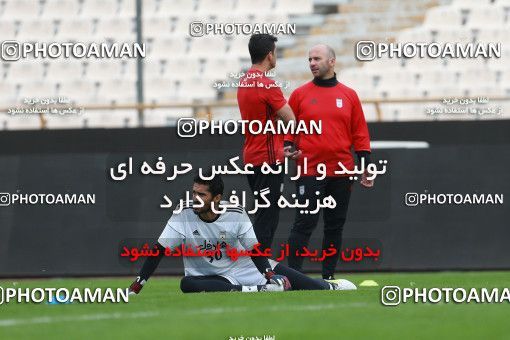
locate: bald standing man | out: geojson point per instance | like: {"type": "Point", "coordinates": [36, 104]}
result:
{"type": "Point", "coordinates": [343, 128]}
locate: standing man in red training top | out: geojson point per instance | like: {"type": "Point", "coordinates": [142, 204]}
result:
{"type": "Point", "coordinates": [343, 127]}
{"type": "Point", "coordinates": [264, 103]}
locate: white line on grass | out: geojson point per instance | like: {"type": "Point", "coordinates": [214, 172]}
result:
{"type": "Point", "coordinates": [85, 317]}
{"type": "Point", "coordinates": [221, 310]}
{"type": "Point", "coordinates": [148, 314]}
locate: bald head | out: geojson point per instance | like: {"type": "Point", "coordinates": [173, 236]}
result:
{"type": "Point", "coordinates": [325, 50]}
{"type": "Point", "coordinates": [322, 61]}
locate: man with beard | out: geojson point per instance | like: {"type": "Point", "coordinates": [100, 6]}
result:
{"type": "Point", "coordinates": [197, 225]}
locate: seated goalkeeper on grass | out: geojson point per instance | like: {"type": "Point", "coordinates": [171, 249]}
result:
{"type": "Point", "coordinates": [201, 227]}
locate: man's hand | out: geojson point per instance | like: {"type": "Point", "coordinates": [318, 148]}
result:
{"type": "Point", "coordinates": [291, 154]}
{"type": "Point", "coordinates": [367, 183]}
{"type": "Point", "coordinates": [136, 286]}
{"type": "Point", "coordinates": [279, 280]}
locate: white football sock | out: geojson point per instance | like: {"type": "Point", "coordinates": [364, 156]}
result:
{"type": "Point", "coordinates": [249, 289]}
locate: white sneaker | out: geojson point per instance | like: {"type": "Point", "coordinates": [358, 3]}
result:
{"type": "Point", "coordinates": [342, 284]}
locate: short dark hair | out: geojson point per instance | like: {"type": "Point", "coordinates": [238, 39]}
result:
{"type": "Point", "coordinates": [260, 45]}
{"type": "Point", "coordinates": [215, 184]}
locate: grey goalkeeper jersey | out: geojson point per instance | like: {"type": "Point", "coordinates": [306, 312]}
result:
{"type": "Point", "coordinates": [232, 228]}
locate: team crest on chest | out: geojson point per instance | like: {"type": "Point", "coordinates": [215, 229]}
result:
{"type": "Point", "coordinates": [223, 235]}
{"type": "Point", "coordinates": [339, 103]}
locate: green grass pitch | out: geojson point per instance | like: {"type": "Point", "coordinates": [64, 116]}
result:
{"type": "Point", "coordinates": [162, 311]}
